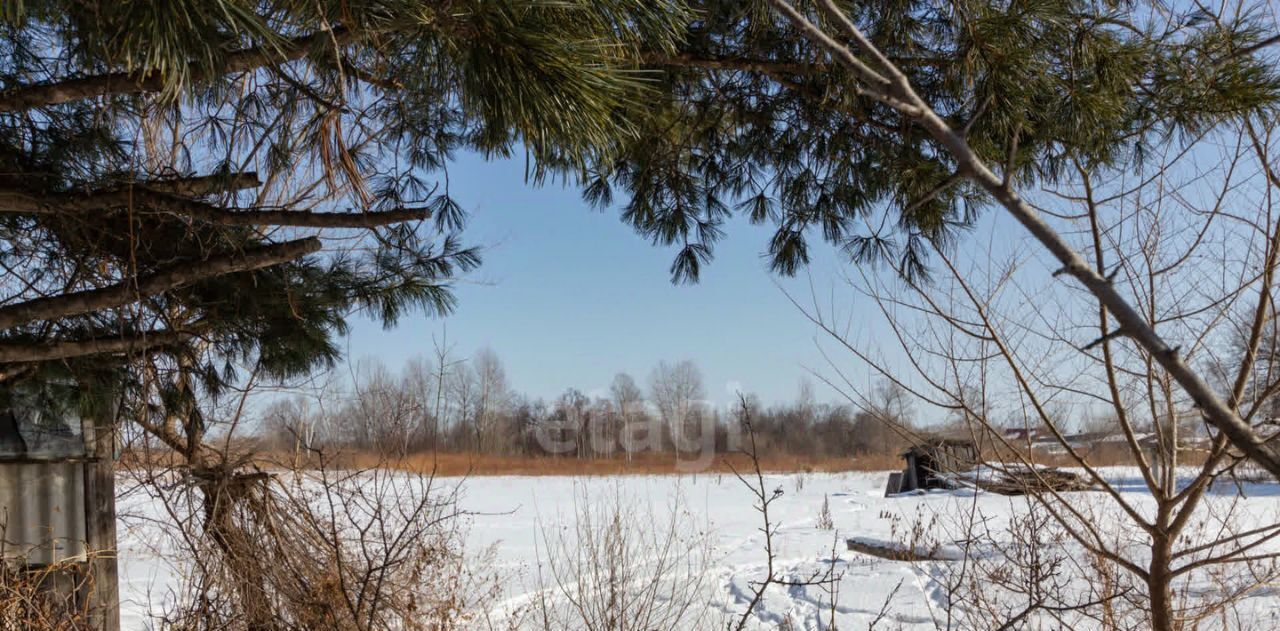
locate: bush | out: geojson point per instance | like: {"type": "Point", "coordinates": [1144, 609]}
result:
{"type": "Point", "coordinates": [620, 568]}
{"type": "Point", "coordinates": [318, 549]}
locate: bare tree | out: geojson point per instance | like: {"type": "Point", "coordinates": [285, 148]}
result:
{"type": "Point", "coordinates": [492, 398]}
{"type": "Point", "coordinates": [1160, 258]}
{"type": "Point", "coordinates": [384, 413]}
{"type": "Point", "coordinates": [762, 499]}
{"type": "Point", "coordinates": [462, 406]}
{"type": "Point", "coordinates": [295, 423]}
{"type": "Point", "coordinates": [884, 424]}
{"type": "Point", "coordinates": [676, 390]}
{"type": "Point", "coordinates": [298, 544]}
{"type": "Point", "coordinates": [422, 386]}
{"type": "Point", "coordinates": [879, 78]}
{"type": "Point", "coordinates": [444, 373]}
{"type": "Point", "coordinates": [572, 417]}
{"type": "Point", "coordinates": [1195, 242]}
{"type": "Point", "coordinates": [628, 400]}
{"type": "Point", "coordinates": [806, 400]}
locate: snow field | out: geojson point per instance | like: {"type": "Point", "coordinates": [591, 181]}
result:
{"type": "Point", "coordinates": [716, 548]}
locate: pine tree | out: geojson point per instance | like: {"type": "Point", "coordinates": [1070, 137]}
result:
{"type": "Point", "coordinates": [196, 184]}
{"type": "Point", "coordinates": [167, 167]}
{"type": "Point", "coordinates": [759, 121]}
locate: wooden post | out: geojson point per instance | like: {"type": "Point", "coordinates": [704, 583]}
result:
{"type": "Point", "coordinates": [100, 521]}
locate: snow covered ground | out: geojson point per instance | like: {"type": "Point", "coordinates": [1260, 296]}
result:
{"type": "Point", "coordinates": [521, 521]}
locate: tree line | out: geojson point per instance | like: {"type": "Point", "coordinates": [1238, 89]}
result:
{"type": "Point", "coordinates": [468, 405]}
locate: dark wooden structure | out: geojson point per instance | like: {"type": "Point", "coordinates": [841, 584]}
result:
{"type": "Point", "coordinates": [928, 462]}
{"type": "Point", "coordinates": [934, 461]}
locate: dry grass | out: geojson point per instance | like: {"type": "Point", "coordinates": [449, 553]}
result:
{"type": "Point", "coordinates": [1104, 455]}
{"type": "Point", "coordinates": [472, 464]}
{"type": "Point", "coordinates": [45, 598]}
{"type": "Point", "coordinates": [647, 463]}
{"type": "Point", "coordinates": [459, 464]}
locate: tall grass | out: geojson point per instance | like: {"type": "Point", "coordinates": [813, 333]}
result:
{"type": "Point", "coordinates": [473, 464]}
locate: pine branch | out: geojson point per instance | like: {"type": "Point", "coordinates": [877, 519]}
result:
{"type": "Point", "coordinates": [764, 66]}
{"type": "Point", "coordinates": [783, 73]}
{"type": "Point", "coordinates": [34, 352]}
{"type": "Point", "coordinates": [690, 60]}
{"type": "Point", "coordinates": [199, 185]}
{"type": "Point", "coordinates": [172, 277]}
{"type": "Point", "coordinates": [118, 83]}
{"type": "Point", "coordinates": [144, 197]}
{"type": "Point", "coordinates": [933, 193]}
{"type": "Point", "coordinates": [1247, 50]}
{"type": "Point", "coordinates": [350, 67]}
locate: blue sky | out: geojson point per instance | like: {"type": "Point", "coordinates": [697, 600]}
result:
{"type": "Point", "coordinates": [568, 296]}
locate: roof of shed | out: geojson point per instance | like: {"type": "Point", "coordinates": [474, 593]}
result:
{"type": "Point", "coordinates": [934, 442]}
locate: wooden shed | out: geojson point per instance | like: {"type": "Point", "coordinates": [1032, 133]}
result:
{"type": "Point", "coordinates": [929, 461]}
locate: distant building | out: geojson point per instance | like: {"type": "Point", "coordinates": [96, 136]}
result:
{"type": "Point", "coordinates": [1041, 440]}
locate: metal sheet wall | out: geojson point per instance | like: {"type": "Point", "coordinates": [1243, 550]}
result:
{"type": "Point", "coordinates": [42, 511]}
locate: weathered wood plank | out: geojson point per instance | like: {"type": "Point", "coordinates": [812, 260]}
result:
{"type": "Point", "coordinates": [893, 552]}
{"type": "Point", "coordinates": [100, 521]}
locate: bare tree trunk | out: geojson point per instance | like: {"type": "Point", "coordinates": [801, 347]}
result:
{"type": "Point", "coordinates": [223, 493]}
{"type": "Point", "coordinates": [1159, 584]}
